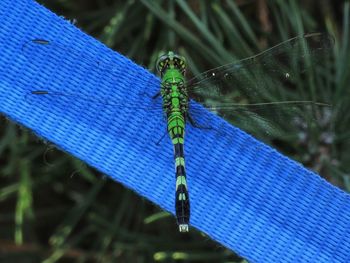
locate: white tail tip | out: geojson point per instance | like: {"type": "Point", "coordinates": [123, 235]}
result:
{"type": "Point", "coordinates": [183, 228]}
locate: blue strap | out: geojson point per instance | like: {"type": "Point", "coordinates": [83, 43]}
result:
{"type": "Point", "coordinates": [244, 194]}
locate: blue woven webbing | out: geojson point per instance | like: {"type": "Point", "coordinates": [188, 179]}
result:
{"type": "Point", "coordinates": [244, 194]}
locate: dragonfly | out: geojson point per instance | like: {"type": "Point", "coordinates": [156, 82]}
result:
{"type": "Point", "coordinates": [257, 92]}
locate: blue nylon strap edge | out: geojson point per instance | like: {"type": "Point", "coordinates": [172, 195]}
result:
{"type": "Point", "coordinates": [244, 194]}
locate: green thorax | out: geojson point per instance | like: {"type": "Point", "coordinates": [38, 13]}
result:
{"type": "Point", "coordinates": [172, 69]}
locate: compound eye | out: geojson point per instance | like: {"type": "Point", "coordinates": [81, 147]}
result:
{"type": "Point", "coordinates": [181, 61]}
{"type": "Point", "coordinates": [161, 63]}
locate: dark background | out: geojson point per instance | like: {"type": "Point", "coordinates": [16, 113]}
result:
{"type": "Point", "coordinates": [54, 207]}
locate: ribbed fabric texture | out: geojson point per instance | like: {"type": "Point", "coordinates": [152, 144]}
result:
{"type": "Point", "coordinates": [244, 194]}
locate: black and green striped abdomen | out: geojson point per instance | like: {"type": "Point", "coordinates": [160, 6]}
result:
{"type": "Point", "coordinates": [176, 130]}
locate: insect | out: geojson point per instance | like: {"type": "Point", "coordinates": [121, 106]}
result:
{"type": "Point", "coordinates": [249, 92]}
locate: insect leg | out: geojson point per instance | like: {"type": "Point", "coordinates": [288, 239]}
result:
{"type": "Point", "coordinates": [194, 124]}
{"type": "Point", "coordinates": [161, 138]}
{"type": "Point", "coordinates": [156, 96]}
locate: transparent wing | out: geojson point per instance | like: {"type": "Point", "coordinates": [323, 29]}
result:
{"type": "Point", "coordinates": [144, 102]}
{"type": "Point", "coordinates": [46, 49]}
{"type": "Point", "coordinates": [271, 90]}
{"type": "Point", "coordinates": [42, 53]}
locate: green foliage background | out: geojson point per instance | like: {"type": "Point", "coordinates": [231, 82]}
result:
{"type": "Point", "coordinates": [55, 209]}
